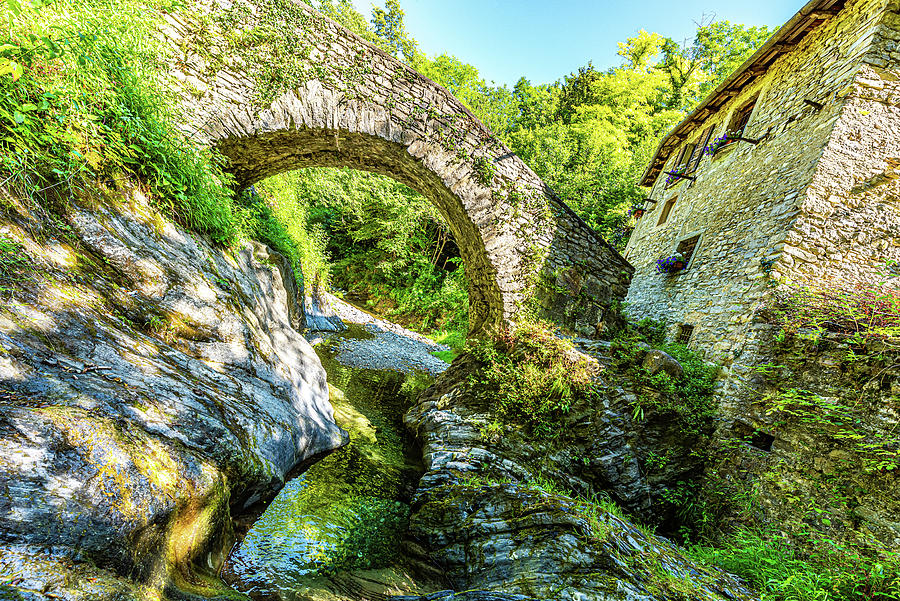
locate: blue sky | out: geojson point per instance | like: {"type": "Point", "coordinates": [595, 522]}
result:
{"type": "Point", "coordinates": [544, 40]}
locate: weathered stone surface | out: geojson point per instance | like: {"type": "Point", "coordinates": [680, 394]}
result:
{"type": "Point", "coordinates": [464, 596]}
{"type": "Point", "coordinates": [656, 361]}
{"type": "Point", "coordinates": [817, 429]}
{"type": "Point", "coordinates": [356, 106]}
{"type": "Point", "coordinates": [150, 386]}
{"type": "Point", "coordinates": [489, 529]}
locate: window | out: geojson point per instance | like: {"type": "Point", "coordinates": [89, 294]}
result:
{"type": "Point", "coordinates": [754, 437]}
{"type": "Point", "coordinates": [667, 208]}
{"type": "Point", "coordinates": [680, 165]}
{"type": "Point", "coordinates": [685, 332]}
{"type": "Point", "coordinates": [686, 249]}
{"type": "Point", "coordinates": [699, 150]}
{"type": "Point", "coordinates": [741, 118]}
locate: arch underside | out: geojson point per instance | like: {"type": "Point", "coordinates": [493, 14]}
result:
{"type": "Point", "coordinates": [254, 158]}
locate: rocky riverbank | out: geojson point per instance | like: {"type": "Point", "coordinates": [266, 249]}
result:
{"type": "Point", "coordinates": [152, 387]}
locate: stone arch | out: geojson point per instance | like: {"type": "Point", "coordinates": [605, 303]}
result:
{"type": "Point", "coordinates": [356, 106]}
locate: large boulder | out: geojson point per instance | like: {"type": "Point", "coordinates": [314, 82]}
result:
{"type": "Point", "coordinates": [151, 386]}
{"type": "Point", "coordinates": [656, 361]}
{"type": "Point", "coordinates": [513, 514]}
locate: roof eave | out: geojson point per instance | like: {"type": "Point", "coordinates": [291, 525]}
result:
{"type": "Point", "coordinates": [784, 39]}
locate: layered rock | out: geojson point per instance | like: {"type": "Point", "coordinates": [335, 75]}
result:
{"type": "Point", "coordinates": [151, 386]}
{"type": "Point", "coordinates": [494, 510]}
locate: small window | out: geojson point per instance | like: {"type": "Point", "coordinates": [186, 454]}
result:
{"type": "Point", "coordinates": [666, 210]}
{"type": "Point", "coordinates": [685, 332]}
{"type": "Point", "coordinates": [741, 118]}
{"type": "Point", "coordinates": [680, 165]}
{"type": "Point", "coordinates": [754, 437]}
{"type": "Point", "coordinates": [699, 150]}
{"type": "Point", "coordinates": [686, 249]}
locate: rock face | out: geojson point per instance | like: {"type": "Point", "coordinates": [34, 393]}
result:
{"type": "Point", "coordinates": [480, 515]}
{"type": "Point", "coordinates": [150, 387]}
{"type": "Point", "coordinates": [656, 361]}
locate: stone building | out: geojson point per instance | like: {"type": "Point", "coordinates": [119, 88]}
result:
{"type": "Point", "coordinates": [804, 190]}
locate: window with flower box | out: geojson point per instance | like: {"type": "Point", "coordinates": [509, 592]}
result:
{"type": "Point", "coordinates": [741, 118]}
{"type": "Point", "coordinates": [680, 165]}
{"type": "Point", "coordinates": [686, 249]}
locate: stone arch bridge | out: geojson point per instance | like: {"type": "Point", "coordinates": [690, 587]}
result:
{"type": "Point", "coordinates": [276, 86]}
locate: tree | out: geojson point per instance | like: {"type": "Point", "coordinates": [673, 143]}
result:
{"type": "Point", "coordinates": [390, 29]}
{"type": "Point", "coordinates": [718, 48]}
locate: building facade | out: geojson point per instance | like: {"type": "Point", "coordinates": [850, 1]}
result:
{"type": "Point", "coordinates": [803, 188]}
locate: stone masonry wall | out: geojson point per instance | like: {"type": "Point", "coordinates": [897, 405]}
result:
{"type": "Point", "coordinates": [848, 228]}
{"type": "Point", "coordinates": [315, 94]}
{"type": "Point", "coordinates": [747, 198]}
{"type": "Point", "coordinates": [817, 429]}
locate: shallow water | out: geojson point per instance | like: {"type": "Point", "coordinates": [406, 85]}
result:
{"type": "Point", "coordinates": [344, 517]}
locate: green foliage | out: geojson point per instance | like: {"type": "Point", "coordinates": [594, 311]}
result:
{"type": "Point", "coordinates": [690, 399]}
{"type": "Point", "coordinates": [841, 422]}
{"type": "Point", "coordinates": [81, 103]}
{"type": "Point", "coordinates": [446, 356]}
{"type": "Point", "coordinates": [484, 169]}
{"type": "Point", "coordinates": [718, 48]}
{"type": "Point", "coordinates": [389, 27]}
{"type": "Point", "coordinates": [280, 217]}
{"type": "Point", "coordinates": [530, 377]}
{"type": "Point", "coordinates": [15, 264]}
{"type": "Point", "coordinates": [862, 313]}
{"type": "Point", "coordinates": [774, 567]}
{"type": "Point", "coordinates": [389, 247]}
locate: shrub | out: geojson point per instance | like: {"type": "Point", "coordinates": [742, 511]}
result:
{"type": "Point", "coordinates": [530, 377]}
{"type": "Point", "coordinates": [861, 311]}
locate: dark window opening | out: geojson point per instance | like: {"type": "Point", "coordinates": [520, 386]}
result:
{"type": "Point", "coordinates": [685, 332]}
{"type": "Point", "coordinates": [686, 249]}
{"type": "Point", "coordinates": [680, 165]}
{"type": "Point", "coordinates": [699, 150]}
{"type": "Point", "coordinates": [755, 438]}
{"type": "Point", "coordinates": [667, 209]}
{"type": "Point", "coordinates": [741, 118]}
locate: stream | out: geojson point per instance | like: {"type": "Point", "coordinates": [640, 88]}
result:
{"type": "Point", "coordinates": [335, 531]}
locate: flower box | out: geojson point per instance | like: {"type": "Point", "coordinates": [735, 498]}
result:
{"type": "Point", "coordinates": [670, 265]}
{"type": "Point", "coordinates": [723, 141]}
{"type": "Point", "coordinates": [674, 176]}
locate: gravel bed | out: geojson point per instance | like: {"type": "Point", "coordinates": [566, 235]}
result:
{"type": "Point", "coordinates": [391, 346]}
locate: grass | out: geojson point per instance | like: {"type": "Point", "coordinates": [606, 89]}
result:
{"type": "Point", "coordinates": [79, 103]}
{"type": "Point", "coordinates": [446, 356]}
{"type": "Point", "coordinates": [776, 569]}
{"type": "Point", "coordinates": [14, 264]}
